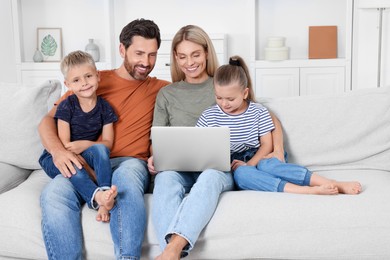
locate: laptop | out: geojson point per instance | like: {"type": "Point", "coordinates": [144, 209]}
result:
{"type": "Point", "coordinates": [191, 149]}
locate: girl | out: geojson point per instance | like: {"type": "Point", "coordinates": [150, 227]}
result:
{"type": "Point", "coordinates": [250, 135]}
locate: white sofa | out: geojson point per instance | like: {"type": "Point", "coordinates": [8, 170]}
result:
{"type": "Point", "coordinates": [345, 137]}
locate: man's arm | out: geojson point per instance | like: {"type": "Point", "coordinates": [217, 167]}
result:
{"type": "Point", "coordinates": [62, 158]}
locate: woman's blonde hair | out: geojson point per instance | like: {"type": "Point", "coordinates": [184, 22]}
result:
{"type": "Point", "coordinates": [196, 35]}
{"type": "Point", "coordinates": [235, 71]}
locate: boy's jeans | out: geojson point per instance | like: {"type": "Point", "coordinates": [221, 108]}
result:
{"type": "Point", "coordinates": [61, 213]}
{"type": "Point", "coordinates": [98, 157]}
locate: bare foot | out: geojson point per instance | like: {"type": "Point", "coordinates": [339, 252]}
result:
{"type": "Point", "coordinates": [325, 189]}
{"type": "Point", "coordinates": [173, 250]}
{"type": "Point", "coordinates": [107, 198]}
{"type": "Point", "coordinates": [167, 256]}
{"type": "Point", "coordinates": [103, 214]}
{"type": "Point", "coordinates": [348, 187]}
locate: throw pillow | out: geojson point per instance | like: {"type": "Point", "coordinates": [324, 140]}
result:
{"type": "Point", "coordinates": [21, 110]}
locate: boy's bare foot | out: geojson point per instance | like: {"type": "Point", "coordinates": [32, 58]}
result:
{"type": "Point", "coordinates": [348, 187]}
{"type": "Point", "coordinates": [103, 214]}
{"type": "Point", "coordinates": [106, 198]}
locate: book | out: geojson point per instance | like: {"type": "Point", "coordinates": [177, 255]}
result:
{"type": "Point", "coordinates": [322, 42]}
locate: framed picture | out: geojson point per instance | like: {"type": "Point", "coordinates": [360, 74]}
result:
{"type": "Point", "coordinates": [50, 43]}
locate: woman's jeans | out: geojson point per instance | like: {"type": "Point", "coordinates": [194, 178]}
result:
{"type": "Point", "coordinates": [174, 212]}
{"type": "Point", "coordinates": [269, 174]}
{"type": "Point", "coordinates": [61, 213]}
{"type": "Point", "coordinates": [98, 157]}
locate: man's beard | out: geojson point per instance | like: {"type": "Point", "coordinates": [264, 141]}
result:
{"type": "Point", "coordinates": [133, 73]}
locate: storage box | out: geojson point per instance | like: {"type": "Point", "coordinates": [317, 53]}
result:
{"type": "Point", "coordinates": [322, 42]}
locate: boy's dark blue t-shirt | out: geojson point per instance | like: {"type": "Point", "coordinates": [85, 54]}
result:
{"type": "Point", "coordinates": [85, 126]}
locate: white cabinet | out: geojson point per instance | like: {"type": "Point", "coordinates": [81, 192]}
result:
{"type": "Point", "coordinates": [299, 78]}
{"type": "Point", "coordinates": [36, 73]}
{"type": "Point", "coordinates": [299, 75]}
{"type": "Point", "coordinates": [322, 81]}
{"type": "Point", "coordinates": [371, 38]}
{"type": "Point", "coordinates": [277, 82]}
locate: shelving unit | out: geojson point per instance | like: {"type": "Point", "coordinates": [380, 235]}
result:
{"type": "Point", "coordinates": [27, 17]}
{"type": "Point", "coordinates": [299, 75]}
{"type": "Point", "coordinates": [257, 20]}
{"type": "Point", "coordinates": [80, 21]}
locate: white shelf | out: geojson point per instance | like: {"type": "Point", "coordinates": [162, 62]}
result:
{"type": "Point", "coordinates": [54, 65]}
{"type": "Point", "coordinates": [302, 63]}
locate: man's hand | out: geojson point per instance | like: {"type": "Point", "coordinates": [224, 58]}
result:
{"type": "Point", "coordinates": [65, 161]}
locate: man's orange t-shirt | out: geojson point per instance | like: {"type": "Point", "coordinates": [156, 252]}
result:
{"type": "Point", "coordinates": [133, 102]}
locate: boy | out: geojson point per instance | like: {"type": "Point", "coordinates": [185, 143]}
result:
{"type": "Point", "coordinates": [81, 119]}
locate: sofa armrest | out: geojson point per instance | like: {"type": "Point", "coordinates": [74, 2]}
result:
{"type": "Point", "coordinates": [11, 176]}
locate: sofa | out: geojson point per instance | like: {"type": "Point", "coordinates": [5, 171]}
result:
{"type": "Point", "coordinates": [344, 137]}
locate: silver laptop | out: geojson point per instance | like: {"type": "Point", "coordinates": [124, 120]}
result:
{"type": "Point", "coordinates": [191, 148]}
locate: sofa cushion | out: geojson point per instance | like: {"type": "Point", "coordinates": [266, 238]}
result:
{"type": "Point", "coordinates": [343, 131]}
{"type": "Point", "coordinates": [21, 109]}
{"type": "Point", "coordinates": [11, 176]}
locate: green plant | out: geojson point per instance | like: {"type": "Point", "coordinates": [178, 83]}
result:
{"type": "Point", "coordinates": [49, 45]}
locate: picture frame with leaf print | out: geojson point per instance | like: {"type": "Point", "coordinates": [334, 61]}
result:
{"type": "Point", "coordinates": [49, 42]}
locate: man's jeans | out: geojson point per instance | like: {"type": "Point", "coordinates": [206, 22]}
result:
{"type": "Point", "coordinates": [61, 207]}
{"type": "Point", "coordinates": [175, 213]}
{"type": "Point", "coordinates": [98, 157]}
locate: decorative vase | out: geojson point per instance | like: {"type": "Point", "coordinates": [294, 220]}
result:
{"type": "Point", "coordinates": [93, 49]}
{"type": "Point", "coordinates": [38, 57]}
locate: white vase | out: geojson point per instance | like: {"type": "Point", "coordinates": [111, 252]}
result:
{"type": "Point", "coordinates": [38, 57]}
{"type": "Point", "coordinates": [93, 49]}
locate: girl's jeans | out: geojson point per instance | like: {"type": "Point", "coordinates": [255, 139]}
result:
{"type": "Point", "coordinates": [61, 213]}
{"type": "Point", "coordinates": [98, 157]}
{"type": "Point", "coordinates": [269, 174]}
{"type": "Point", "coordinates": [174, 212]}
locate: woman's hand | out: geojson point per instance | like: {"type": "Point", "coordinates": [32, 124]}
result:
{"type": "Point", "coordinates": [152, 171]}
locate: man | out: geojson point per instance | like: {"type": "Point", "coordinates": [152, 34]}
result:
{"type": "Point", "coordinates": [131, 92]}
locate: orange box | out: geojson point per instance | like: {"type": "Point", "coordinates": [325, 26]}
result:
{"type": "Point", "coordinates": [322, 42]}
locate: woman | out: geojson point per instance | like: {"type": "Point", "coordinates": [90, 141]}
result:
{"type": "Point", "coordinates": [179, 219]}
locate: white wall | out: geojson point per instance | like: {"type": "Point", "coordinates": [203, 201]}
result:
{"type": "Point", "coordinates": [7, 50]}
{"type": "Point", "coordinates": [230, 17]}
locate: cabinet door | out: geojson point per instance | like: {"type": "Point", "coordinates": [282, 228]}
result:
{"type": "Point", "coordinates": [318, 81]}
{"type": "Point", "coordinates": [280, 82]}
{"type": "Point", "coordinates": [37, 77]}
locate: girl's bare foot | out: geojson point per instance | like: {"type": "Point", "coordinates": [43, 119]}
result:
{"type": "Point", "coordinates": [103, 214]}
{"type": "Point", "coordinates": [348, 187]}
{"type": "Point", "coordinates": [326, 189]}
